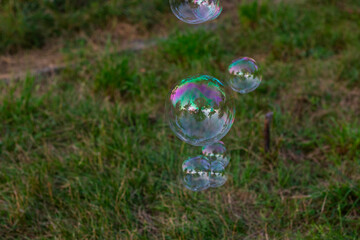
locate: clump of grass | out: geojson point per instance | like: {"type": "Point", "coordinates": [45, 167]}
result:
{"type": "Point", "coordinates": [190, 47]}
{"type": "Point", "coordinates": [350, 69]}
{"type": "Point", "coordinates": [292, 31]}
{"type": "Point", "coordinates": [115, 76]}
{"type": "Point", "coordinates": [251, 14]}
{"type": "Point", "coordinates": [147, 13]}
{"type": "Point", "coordinates": [344, 140]}
{"type": "Point", "coordinates": [21, 100]}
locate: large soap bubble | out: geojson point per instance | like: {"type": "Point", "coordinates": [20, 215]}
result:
{"type": "Point", "coordinates": [196, 11]}
{"type": "Point", "coordinates": [199, 111]}
{"type": "Point", "coordinates": [245, 76]}
{"type": "Point", "coordinates": [196, 173]}
{"type": "Point", "coordinates": [216, 152]}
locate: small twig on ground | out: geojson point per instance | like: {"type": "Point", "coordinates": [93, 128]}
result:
{"type": "Point", "coordinates": [268, 119]}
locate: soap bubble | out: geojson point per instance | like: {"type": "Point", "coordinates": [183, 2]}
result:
{"type": "Point", "coordinates": [196, 173]}
{"type": "Point", "coordinates": [245, 76]}
{"type": "Point", "coordinates": [196, 11]}
{"type": "Point", "coordinates": [216, 152]}
{"type": "Point", "coordinates": [217, 174]}
{"type": "Point", "coordinates": [199, 111]}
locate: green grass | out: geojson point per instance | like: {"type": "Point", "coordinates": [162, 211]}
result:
{"type": "Point", "coordinates": [88, 154]}
{"type": "Point", "coordinates": [29, 24]}
{"type": "Point", "coordinates": [116, 76]}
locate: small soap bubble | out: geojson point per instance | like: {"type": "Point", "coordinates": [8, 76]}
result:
{"type": "Point", "coordinates": [196, 173]}
{"type": "Point", "coordinates": [217, 174]}
{"type": "Point", "coordinates": [199, 111]}
{"type": "Point", "coordinates": [196, 11]}
{"type": "Point", "coordinates": [245, 76]}
{"type": "Point", "coordinates": [216, 152]}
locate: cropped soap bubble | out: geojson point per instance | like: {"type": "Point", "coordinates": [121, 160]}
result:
{"type": "Point", "coordinates": [196, 11]}
{"type": "Point", "coordinates": [217, 174]}
{"type": "Point", "coordinates": [196, 173]}
{"type": "Point", "coordinates": [245, 76]}
{"type": "Point", "coordinates": [216, 152]}
{"type": "Point", "coordinates": [199, 111]}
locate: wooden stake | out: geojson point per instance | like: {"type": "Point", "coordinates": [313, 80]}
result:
{"type": "Point", "coordinates": [267, 139]}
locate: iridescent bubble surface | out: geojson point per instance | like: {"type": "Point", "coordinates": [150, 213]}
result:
{"type": "Point", "coordinates": [217, 174]}
{"type": "Point", "coordinates": [216, 152]}
{"type": "Point", "coordinates": [199, 111]}
{"type": "Point", "coordinates": [196, 173]}
{"type": "Point", "coordinates": [245, 76]}
{"type": "Point", "coordinates": [196, 11]}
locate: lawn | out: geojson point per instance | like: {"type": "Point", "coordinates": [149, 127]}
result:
{"type": "Point", "coordinates": [88, 154]}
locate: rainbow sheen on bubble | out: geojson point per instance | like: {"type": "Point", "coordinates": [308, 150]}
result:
{"type": "Point", "coordinates": [217, 174]}
{"type": "Point", "coordinates": [199, 111]}
{"type": "Point", "coordinates": [196, 11]}
{"type": "Point", "coordinates": [196, 173]}
{"type": "Point", "coordinates": [245, 76]}
{"type": "Point", "coordinates": [216, 152]}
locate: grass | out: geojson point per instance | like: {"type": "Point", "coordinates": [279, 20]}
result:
{"type": "Point", "coordinates": [29, 24]}
{"type": "Point", "coordinates": [116, 76]}
{"type": "Point", "coordinates": [88, 154]}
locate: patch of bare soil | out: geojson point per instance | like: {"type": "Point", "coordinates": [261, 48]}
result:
{"type": "Point", "coordinates": [11, 66]}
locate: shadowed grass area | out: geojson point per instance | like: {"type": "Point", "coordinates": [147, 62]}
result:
{"type": "Point", "coordinates": [28, 24]}
{"type": "Point", "coordinates": [88, 154]}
